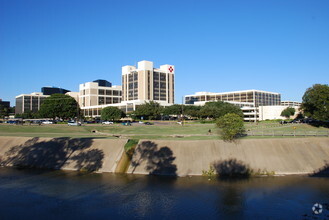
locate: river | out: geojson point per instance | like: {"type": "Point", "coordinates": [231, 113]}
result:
{"type": "Point", "coordinates": [39, 194]}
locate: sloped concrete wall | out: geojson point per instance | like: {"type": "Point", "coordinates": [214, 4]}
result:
{"type": "Point", "coordinates": [62, 153]}
{"type": "Point", "coordinates": [283, 156]}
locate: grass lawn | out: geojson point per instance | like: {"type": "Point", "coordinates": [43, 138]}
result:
{"type": "Point", "coordinates": [190, 131]}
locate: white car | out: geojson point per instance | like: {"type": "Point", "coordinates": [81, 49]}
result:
{"type": "Point", "coordinates": [107, 123]}
{"type": "Point", "coordinates": [73, 123]}
{"type": "Point", "coordinates": [47, 122]}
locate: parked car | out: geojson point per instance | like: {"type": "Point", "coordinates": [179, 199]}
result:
{"type": "Point", "coordinates": [12, 122]}
{"type": "Point", "coordinates": [48, 122]}
{"type": "Point", "coordinates": [74, 123]}
{"type": "Point", "coordinates": [107, 123]}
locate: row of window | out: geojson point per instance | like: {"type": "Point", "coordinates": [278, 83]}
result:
{"type": "Point", "coordinates": [110, 92]}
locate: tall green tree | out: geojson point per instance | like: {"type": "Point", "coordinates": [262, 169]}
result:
{"type": "Point", "coordinates": [219, 109]}
{"type": "Point", "coordinates": [287, 112]}
{"type": "Point", "coordinates": [112, 113]}
{"type": "Point", "coordinates": [61, 106]}
{"type": "Point", "coordinates": [150, 110]}
{"type": "Point", "coordinates": [231, 126]}
{"type": "Point", "coordinates": [316, 102]}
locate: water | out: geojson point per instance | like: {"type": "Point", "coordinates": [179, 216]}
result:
{"type": "Point", "coordinates": [37, 194]}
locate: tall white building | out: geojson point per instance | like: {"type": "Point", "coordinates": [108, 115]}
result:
{"type": "Point", "coordinates": [146, 83]}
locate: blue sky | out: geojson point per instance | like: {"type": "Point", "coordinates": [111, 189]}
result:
{"type": "Point", "coordinates": [216, 46]}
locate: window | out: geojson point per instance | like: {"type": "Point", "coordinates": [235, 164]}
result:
{"type": "Point", "coordinates": [108, 92]}
{"type": "Point", "coordinates": [108, 100]}
{"type": "Point", "coordinates": [101, 100]}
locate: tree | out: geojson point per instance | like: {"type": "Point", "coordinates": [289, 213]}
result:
{"type": "Point", "coordinates": [231, 126]}
{"type": "Point", "coordinates": [59, 105]}
{"type": "Point", "coordinates": [192, 110]}
{"type": "Point", "coordinates": [149, 110]}
{"type": "Point", "coordinates": [4, 111]}
{"type": "Point", "coordinates": [172, 110]}
{"type": "Point", "coordinates": [287, 112]}
{"type": "Point", "coordinates": [316, 102]}
{"type": "Point", "coordinates": [112, 113]}
{"type": "Point", "coordinates": [218, 109]}
{"type": "Point", "coordinates": [27, 114]}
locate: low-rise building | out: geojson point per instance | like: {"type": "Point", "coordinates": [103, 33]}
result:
{"type": "Point", "coordinates": [29, 102]}
{"type": "Point", "coordinates": [247, 100]}
{"type": "Point", "coordinates": [93, 96]}
{"type": "Point", "coordinates": [274, 112]}
{"type": "Point", "coordinates": [291, 103]}
{"type": "Point", "coordinates": [4, 104]}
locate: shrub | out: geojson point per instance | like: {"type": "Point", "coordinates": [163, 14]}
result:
{"type": "Point", "coordinates": [231, 126]}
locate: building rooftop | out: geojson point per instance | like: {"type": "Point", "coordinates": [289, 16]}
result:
{"type": "Point", "coordinates": [223, 93]}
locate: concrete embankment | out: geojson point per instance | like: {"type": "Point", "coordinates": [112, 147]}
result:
{"type": "Point", "coordinates": [62, 153]}
{"type": "Point", "coordinates": [283, 156]}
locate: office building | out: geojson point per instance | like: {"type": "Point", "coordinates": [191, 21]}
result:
{"type": "Point", "coordinates": [93, 96]}
{"type": "Point", "coordinates": [146, 83]}
{"type": "Point", "coordinates": [53, 90]}
{"type": "Point", "coordinates": [29, 102]}
{"type": "Point", "coordinates": [252, 98]}
{"type": "Point", "coordinates": [291, 103]}
{"type": "Point", "coordinates": [4, 104]}
{"type": "Point", "coordinates": [248, 100]}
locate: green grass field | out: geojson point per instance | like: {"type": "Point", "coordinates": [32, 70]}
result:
{"type": "Point", "coordinates": [190, 131]}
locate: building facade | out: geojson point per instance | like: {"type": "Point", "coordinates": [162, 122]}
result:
{"type": "Point", "coordinates": [274, 112]}
{"type": "Point", "coordinates": [4, 104]}
{"type": "Point", "coordinates": [146, 83]}
{"type": "Point", "coordinates": [29, 102]}
{"type": "Point", "coordinates": [248, 100]}
{"type": "Point", "coordinates": [252, 98]}
{"type": "Point", "coordinates": [93, 97]}
{"type": "Point", "coordinates": [92, 94]}
{"type": "Point", "coordinates": [291, 103]}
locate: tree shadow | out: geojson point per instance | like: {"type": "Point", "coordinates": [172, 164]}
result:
{"type": "Point", "coordinates": [53, 154]}
{"type": "Point", "coordinates": [90, 161]}
{"type": "Point", "coordinates": [232, 168]}
{"type": "Point", "coordinates": [158, 161]}
{"type": "Point", "coordinates": [322, 172]}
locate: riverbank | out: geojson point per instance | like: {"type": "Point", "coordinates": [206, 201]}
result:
{"type": "Point", "coordinates": [167, 157]}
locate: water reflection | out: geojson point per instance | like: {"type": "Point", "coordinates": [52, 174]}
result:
{"type": "Point", "coordinates": [72, 195]}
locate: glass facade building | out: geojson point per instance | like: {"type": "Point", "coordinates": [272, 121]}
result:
{"type": "Point", "coordinates": [53, 90]}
